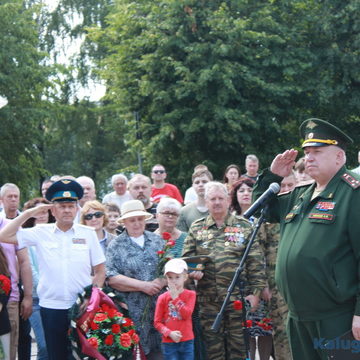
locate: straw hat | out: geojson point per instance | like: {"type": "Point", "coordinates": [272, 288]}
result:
{"type": "Point", "coordinates": [133, 208]}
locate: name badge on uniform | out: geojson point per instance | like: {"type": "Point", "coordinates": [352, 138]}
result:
{"type": "Point", "coordinates": [81, 241]}
{"type": "Point", "coordinates": [325, 205]}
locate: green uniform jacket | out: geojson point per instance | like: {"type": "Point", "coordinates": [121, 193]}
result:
{"type": "Point", "coordinates": [318, 267]}
{"type": "Point", "coordinates": [225, 247]}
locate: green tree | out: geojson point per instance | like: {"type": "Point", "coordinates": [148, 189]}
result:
{"type": "Point", "coordinates": [216, 80]}
{"type": "Point", "coordinates": [22, 81]}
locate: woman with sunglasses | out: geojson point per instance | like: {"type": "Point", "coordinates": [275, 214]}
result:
{"type": "Point", "coordinates": [93, 214]}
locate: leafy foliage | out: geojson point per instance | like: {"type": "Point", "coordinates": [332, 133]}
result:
{"type": "Point", "coordinates": [22, 81]}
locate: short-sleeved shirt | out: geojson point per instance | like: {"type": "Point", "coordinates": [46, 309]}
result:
{"type": "Point", "coordinates": [117, 199]}
{"type": "Point", "coordinates": [65, 261]}
{"type": "Point", "coordinates": [169, 190]}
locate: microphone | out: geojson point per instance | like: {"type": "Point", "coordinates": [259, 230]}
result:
{"type": "Point", "coordinates": [273, 189]}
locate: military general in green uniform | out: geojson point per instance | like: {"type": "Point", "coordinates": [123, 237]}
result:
{"type": "Point", "coordinates": [318, 263]}
{"type": "Point", "coordinates": [223, 237]}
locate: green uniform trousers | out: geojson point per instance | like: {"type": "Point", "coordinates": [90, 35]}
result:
{"type": "Point", "coordinates": [228, 343]}
{"type": "Point", "coordinates": [307, 338]}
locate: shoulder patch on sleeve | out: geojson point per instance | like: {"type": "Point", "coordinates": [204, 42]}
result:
{"type": "Point", "coordinates": [350, 180]}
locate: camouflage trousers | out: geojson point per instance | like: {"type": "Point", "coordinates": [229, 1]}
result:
{"type": "Point", "coordinates": [228, 343]}
{"type": "Point", "coordinates": [278, 313]}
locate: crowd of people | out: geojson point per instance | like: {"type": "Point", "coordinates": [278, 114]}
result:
{"type": "Point", "coordinates": [67, 239]}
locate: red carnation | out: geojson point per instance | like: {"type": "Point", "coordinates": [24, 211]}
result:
{"type": "Point", "coordinates": [109, 340]}
{"type": "Point", "coordinates": [5, 285]}
{"type": "Point", "coordinates": [248, 323]}
{"type": "Point", "coordinates": [127, 322]}
{"type": "Point", "coordinates": [131, 332]}
{"type": "Point", "coordinates": [237, 305]}
{"type": "Point", "coordinates": [105, 307]}
{"type": "Point", "coordinates": [94, 326]}
{"type": "Point", "coordinates": [171, 243]}
{"type": "Point", "coordinates": [125, 340]}
{"type": "Point", "coordinates": [93, 341]}
{"type": "Point", "coordinates": [166, 235]}
{"type": "Point", "coordinates": [135, 338]}
{"type": "Point", "coordinates": [115, 328]}
{"type": "Point", "coordinates": [99, 317]}
{"type": "Point", "coordinates": [160, 252]}
{"type": "Point", "coordinates": [112, 313]}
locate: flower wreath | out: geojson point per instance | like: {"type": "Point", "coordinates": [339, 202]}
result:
{"type": "Point", "coordinates": [103, 331]}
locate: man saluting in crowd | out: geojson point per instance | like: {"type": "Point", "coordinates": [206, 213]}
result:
{"type": "Point", "coordinates": [318, 263]}
{"type": "Point", "coordinates": [67, 254]}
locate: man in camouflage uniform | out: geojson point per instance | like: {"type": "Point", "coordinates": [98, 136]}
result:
{"type": "Point", "coordinates": [223, 238]}
{"type": "Point", "coordinates": [278, 307]}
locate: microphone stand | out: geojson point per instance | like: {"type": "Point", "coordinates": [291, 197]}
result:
{"type": "Point", "coordinates": [237, 281]}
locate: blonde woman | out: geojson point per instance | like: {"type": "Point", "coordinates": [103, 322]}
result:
{"type": "Point", "coordinates": [93, 214]}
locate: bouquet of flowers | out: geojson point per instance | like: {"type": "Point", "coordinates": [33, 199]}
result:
{"type": "Point", "coordinates": [102, 331]}
{"type": "Point", "coordinates": [165, 254]}
{"type": "Point", "coordinates": [256, 320]}
{"type": "Point", "coordinates": [5, 285]}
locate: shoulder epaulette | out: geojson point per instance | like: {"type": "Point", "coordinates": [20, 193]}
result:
{"type": "Point", "coordinates": [350, 180]}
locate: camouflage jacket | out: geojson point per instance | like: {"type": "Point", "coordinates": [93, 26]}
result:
{"type": "Point", "coordinates": [269, 244]}
{"type": "Point", "coordinates": [225, 247]}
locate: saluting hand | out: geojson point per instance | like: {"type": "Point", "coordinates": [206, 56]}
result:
{"type": "Point", "coordinates": [37, 210]}
{"type": "Point", "coordinates": [356, 327]}
{"type": "Point", "coordinates": [283, 163]}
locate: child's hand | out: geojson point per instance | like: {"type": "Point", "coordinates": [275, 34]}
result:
{"type": "Point", "coordinates": [174, 292]}
{"type": "Point", "coordinates": [176, 336]}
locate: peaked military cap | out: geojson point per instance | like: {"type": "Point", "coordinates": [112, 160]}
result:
{"type": "Point", "coordinates": [64, 190]}
{"type": "Point", "coordinates": [317, 132]}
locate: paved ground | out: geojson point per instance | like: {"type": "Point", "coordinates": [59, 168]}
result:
{"type": "Point", "coordinates": [34, 351]}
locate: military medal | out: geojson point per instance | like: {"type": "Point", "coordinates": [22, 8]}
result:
{"type": "Point", "coordinates": [227, 243]}
{"type": "Point", "coordinates": [325, 205]}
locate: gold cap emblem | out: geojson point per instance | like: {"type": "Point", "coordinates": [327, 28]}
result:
{"type": "Point", "coordinates": [311, 125]}
{"type": "Point", "coordinates": [66, 194]}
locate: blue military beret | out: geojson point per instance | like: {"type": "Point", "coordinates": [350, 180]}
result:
{"type": "Point", "coordinates": [64, 190]}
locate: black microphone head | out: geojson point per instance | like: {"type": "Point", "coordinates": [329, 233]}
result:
{"type": "Point", "coordinates": [274, 187]}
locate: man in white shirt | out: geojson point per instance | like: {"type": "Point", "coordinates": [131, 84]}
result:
{"type": "Point", "coordinates": [67, 254]}
{"type": "Point", "coordinates": [120, 194]}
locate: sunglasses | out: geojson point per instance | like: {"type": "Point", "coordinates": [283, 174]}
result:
{"type": "Point", "coordinates": [159, 171]}
{"type": "Point", "coordinates": [97, 214]}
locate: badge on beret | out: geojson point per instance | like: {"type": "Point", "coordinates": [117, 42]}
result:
{"type": "Point", "coordinates": [65, 181]}
{"type": "Point", "coordinates": [66, 194]}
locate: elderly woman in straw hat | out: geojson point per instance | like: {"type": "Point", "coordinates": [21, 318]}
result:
{"type": "Point", "coordinates": [132, 261]}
